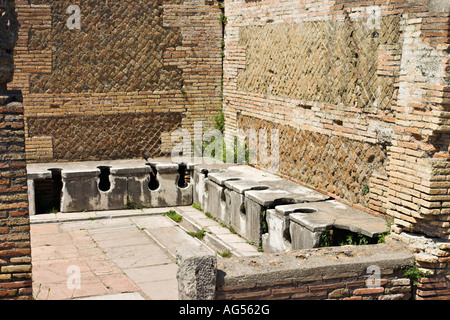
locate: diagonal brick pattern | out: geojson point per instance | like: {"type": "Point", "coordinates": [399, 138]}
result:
{"type": "Point", "coordinates": [333, 62]}
{"type": "Point", "coordinates": [105, 136]}
{"type": "Point", "coordinates": [119, 48]}
{"type": "Point", "coordinates": [333, 164]}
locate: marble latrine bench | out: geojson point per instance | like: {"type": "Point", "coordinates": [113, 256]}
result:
{"type": "Point", "coordinates": [109, 185]}
{"type": "Point", "coordinates": [274, 212]}
{"type": "Point", "coordinates": [301, 226]}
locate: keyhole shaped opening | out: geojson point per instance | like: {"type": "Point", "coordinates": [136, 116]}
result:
{"type": "Point", "coordinates": [184, 178]}
{"type": "Point", "coordinates": [153, 183]}
{"type": "Point", "coordinates": [104, 183]}
{"type": "Point", "coordinates": [242, 208]}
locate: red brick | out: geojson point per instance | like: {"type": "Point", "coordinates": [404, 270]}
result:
{"type": "Point", "coordinates": [432, 280]}
{"type": "Point", "coordinates": [288, 290]}
{"type": "Point", "coordinates": [16, 284]}
{"type": "Point", "coordinates": [26, 291]}
{"type": "Point", "coordinates": [330, 286]}
{"type": "Point", "coordinates": [367, 291]}
{"type": "Point", "coordinates": [310, 295]}
{"type": "Point", "coordinates": [15, 252]}
{"type": "Point", "coordinates": [18, 213]}
{"type": "Point", "coordinates": [429, 293]}
{"type": "Point", "coordinates": [13, 189]}
{"type": "Point", "coordinates": [4, 245]}
{"type": "Point", "coordinates": [252, 294]}
{"type": "Point", "coordinates": [435, 285]}
{"type": "Point", "coordinates": [8, 293]}
{"type": "Point", "coordinates": [353, 298]}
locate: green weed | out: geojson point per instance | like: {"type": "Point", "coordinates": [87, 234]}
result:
{"type": "Point", "coordinates": [200, 234]}
{"type": "Point", "coordinates": [172, 214]}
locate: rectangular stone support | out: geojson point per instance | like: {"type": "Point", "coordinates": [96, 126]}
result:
{"type": "Point", "coordinates": [31, 178]}
{"type": "Point", "coordinates": [198, 177]}
{"type": "Point", "coordinates": [214, 199]}
{"type": "Point", "coordinates": [235, 208]}
{"type": "Point", "coordinates": [278, 237]}
{"type": "Point", "coordinates": [138, 179]}
{"type": "Point", "coordinates": [197, 273]}
{"type": "Point", "coordinates": [253, 218]}
{"type": "Point", "coordinates": [303, 238]}
{"type": "Point", "coordinates": [169, 193]}
{"type": "Point", "coordinates": [80, 191]}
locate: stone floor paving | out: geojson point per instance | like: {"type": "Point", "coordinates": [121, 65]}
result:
{"type": "Point", "coordinates": [107, 257]}
{"type": "Point", "coordinates": [123, 254]}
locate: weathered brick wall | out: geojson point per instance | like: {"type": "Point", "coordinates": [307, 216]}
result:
{"type": "Point", "coordinates": [133, 62]}
{"type": "Point", "coordinates": [419, 156]}
{"type": "Point", "coordinates": [418, 194]}
{"type": "Point", "coordinates": [359, 91]}
{"type": "Point", "coordinates": [15, 249]}
{"type": "Point", "coordinates": [343, 273]}
{"type": "Point", "coordinates": [335, 165]}
{"type": "Point", "coordinates": [345, 287]}
{"type": "Point", "coordinates": [326, 74]}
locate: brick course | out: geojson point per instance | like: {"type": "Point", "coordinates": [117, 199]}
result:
{"type": "Point", "coordinates": [317, 275]}
{"type": "Point", "coordinates": [15, 249]}
{"type": "Point", "coordinates": [340, 289]}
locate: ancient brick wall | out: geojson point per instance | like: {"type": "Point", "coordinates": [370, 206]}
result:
{"type": "Point", "coordinates": [343, 287]}
{"type": "Point", "coordinates": [132, 68]}
{"type": "Point", "coordinates": [15, 249]}
{"type": "Point", "coordinates": [326, 74]}
{"type": "Point", "coordinates": [359, 92]}
{"type": "Point", "coordinates": [341, 273]}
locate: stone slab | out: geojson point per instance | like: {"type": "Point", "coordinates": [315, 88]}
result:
{"type": "Point", "coordinates": [241, 186]}
{"type": "Point", "coordinates": [320, 216]}
{"type": "Point", "coordinates": [196, 274]}
{"type": "Point", "coordinates": [118, 296]}
{"type": "Point", "coordinates": [311, 264]}
{"type": "Point", "coordinates": [237, 173]}
{"type": "Point", "coordinates": [284, 192]}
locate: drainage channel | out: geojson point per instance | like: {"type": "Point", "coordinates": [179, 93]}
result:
{"type": "Point", "coordinates": [214, 234]}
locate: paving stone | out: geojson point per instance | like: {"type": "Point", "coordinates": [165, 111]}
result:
{"type": "Point", "coordinates": [119, 238]}
{"type": "Point", "coordinates": [50, 228]}
{"type": "Point", "coordinates": [116, 255]}
{"type": "Point", "coordinates": [118, 282]}
{"type": "Point", "coordinates": [54, 239]}
{"type": "Point", "coordinates": [154, 222]}
{"type": "Point", "coordinates": [161, 290]}
{"type": "Point", "coordinates": [45, 253]}
{"type": "Point", "coordinates": [137, 256]}
{"type": "Point", "coordinates": [152, 273]}
{"type": "Point", "coordinates": [118, 296]}
{"type": "Point", "coordinates": [101, 266]}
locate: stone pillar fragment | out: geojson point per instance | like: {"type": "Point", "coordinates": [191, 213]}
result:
{"type": "Point", "coordinates": [197, 272]}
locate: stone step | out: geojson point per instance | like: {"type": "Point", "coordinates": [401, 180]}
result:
{"type": "Point", "coordinates": [217, 236]}
{"type": "Point", "coordinates": [167, 233]}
